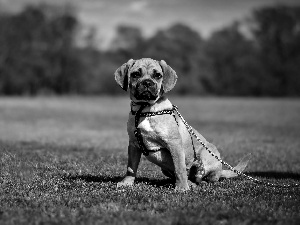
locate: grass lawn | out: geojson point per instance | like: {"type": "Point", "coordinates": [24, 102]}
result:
{"type": "Point", "coordinates": [60, 160]}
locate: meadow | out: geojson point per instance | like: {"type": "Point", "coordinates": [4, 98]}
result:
{"type": "Point", "coordinates": [60, 160]}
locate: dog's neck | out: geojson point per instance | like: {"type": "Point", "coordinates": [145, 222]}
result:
{"type": "Point", "coordinates": [161, 104]}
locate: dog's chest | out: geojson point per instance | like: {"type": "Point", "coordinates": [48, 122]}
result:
{"type": "Point", "coordinates": [150, 137]}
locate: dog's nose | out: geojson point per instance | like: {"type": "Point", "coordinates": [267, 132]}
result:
{"type": "Point", "coordinates": [147, 83]}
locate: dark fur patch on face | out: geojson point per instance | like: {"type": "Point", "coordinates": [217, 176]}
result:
{"type": "Point", "coordinates": [146, 93]}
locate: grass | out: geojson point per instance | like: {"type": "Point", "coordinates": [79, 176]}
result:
{"type": "Point", "coordinates": [60, 160]}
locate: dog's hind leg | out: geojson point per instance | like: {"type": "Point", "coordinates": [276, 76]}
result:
{"type": "Point", "coordinates": [169, 174]}
{"type": "Point", "coordinates": [196, 172]}
{"type": "Point", "coordinates": [213, 176]}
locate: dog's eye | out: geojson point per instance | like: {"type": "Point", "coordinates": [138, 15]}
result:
{"type": "Point", "coordinates": [135, 74]}
{"type": "Point", "coordinates": [157, 75]}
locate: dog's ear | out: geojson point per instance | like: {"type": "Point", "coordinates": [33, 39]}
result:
{"type": "Point", "coordinates": [121, 74]}
{"type": "Point", "coordinates": [169, 77]}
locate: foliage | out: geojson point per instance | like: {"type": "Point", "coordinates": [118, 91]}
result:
{"type": "Point", "coordinates": [277, 33]}
{"type": "Point", "coordinates": [182, 48]}
{"type": "Point", "coordinates": [234, 65]}
{"type": "Point", "coordinates": [39, 54]}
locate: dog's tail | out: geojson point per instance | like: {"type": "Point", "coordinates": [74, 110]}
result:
{"type": "Point", "coordinates": [240, 167]}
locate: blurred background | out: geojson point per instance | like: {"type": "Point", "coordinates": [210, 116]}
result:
{"type": "Point", "coordinates": [217, 47]}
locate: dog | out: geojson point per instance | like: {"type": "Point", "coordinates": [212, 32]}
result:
{"type": "Point", "coordinates": [156, 131]}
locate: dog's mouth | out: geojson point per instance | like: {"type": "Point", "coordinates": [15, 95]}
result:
{"type": "Point", "coordinates": [143, 93]}
{"type": "Point", "coordinates": [146, 95]}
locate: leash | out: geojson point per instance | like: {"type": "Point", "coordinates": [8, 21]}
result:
{"type": "Point", "coordinates": [137, 132]}
{"type": "Point", "coordinates": [197, 164]}
{"type": "Point", "coordinates": [191, 131]}
{"type": "Point", "coordinates": [138, 114]}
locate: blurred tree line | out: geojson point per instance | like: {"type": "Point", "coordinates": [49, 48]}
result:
{"type": "Point", "coordinates": [39, 54]}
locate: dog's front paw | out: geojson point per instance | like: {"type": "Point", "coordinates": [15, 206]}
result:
{"type": "Point", "coordinates": [182, 187]}
{"type": "Point", "coordinates": [191, 184]}
{"type": "Point", "coordinates": [127, 181]}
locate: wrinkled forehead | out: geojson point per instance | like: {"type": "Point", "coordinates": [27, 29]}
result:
{"type": "Point", "coordinates": [146, 64]}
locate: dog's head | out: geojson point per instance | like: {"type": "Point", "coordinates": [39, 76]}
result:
{"type": "Point", "coordinates": [146, 79]}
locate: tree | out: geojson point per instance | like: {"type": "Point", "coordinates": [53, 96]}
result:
{"type": "Point", "coordinates": [128, 43]}
{"type": "Point", "coordinates": [235, 69]}
{"type": "Point", "coordinates": [127, 37]}
{"type": "Point", "coordinates": [181, 48]}
{"type": "Point", "coordinates": [37, 51]}
{"type": "Point", "coordinates": [276, 30]}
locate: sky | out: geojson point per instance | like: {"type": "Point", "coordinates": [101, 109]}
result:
{"type": "Point", "coordinates": [204, 16]}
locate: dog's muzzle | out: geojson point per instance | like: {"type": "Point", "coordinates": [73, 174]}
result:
{"type": "Point", "coordinates": [146, 90]}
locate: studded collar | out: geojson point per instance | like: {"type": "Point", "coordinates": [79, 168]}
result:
{"type": "Point", "coordinates": [149, 114]}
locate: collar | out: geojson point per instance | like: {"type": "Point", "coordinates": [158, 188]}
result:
{"type": "Point", "coordinates": [148, 114]}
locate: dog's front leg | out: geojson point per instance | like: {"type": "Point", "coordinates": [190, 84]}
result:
{"type": "Point", "coordinates": [178, 157]}
{"type": "Point", "coordinates": [134, 156]}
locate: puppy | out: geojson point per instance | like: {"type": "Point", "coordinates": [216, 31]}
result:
{"type": "Point", "coordinates": [156, 130]}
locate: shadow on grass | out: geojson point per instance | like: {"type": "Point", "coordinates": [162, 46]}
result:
{"type": "Point", "coordinates": [91, 178]}
{"type": "Point", "coordinates": [156, 182]}
{"type": "Point", "coordinates": [116, 179]}
{"type": "Point", "coordinates": [275, 175]}
{"type": "Point", "coordinates": [167, 182]}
